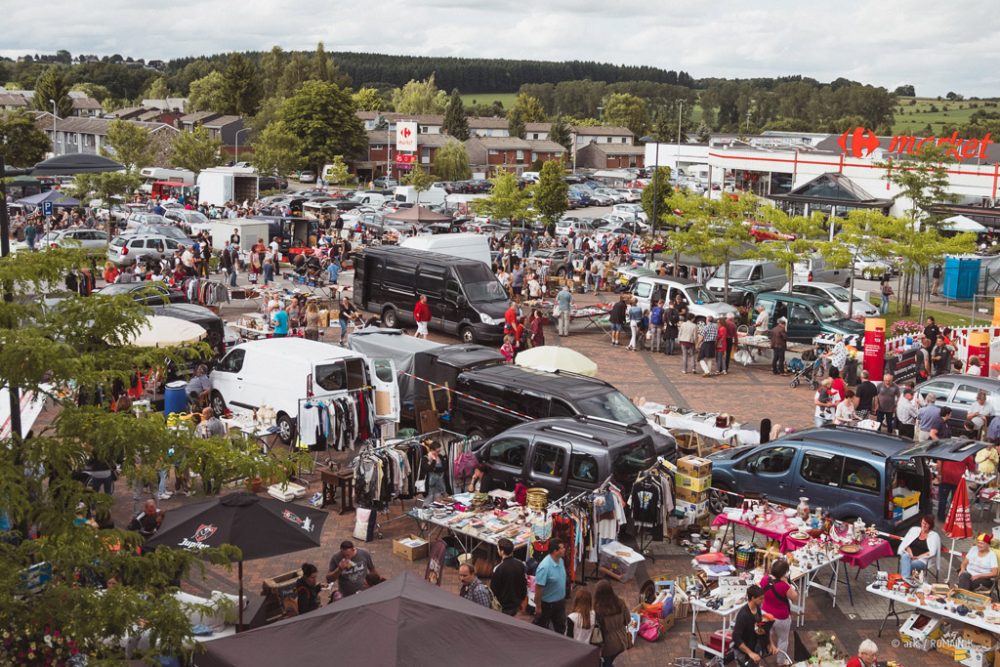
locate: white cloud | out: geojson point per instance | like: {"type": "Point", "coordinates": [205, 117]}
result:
{"type": "Point", "coordinates": [937, 46]}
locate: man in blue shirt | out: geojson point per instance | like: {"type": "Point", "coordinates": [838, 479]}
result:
{"type": "Point", "coordinates": [656, 324]}
{"type": "Point", "coordinates": [550, 589]}
{"type": "Point", "coordinates": [280, 320]}
{"type": "Point", "coordinates": [333, 270]}
{"type": "Point", "coordinates": [565, 300]}
{"type": "Point", "coordinates": [926, 418]}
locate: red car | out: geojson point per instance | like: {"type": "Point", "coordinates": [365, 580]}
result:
{"type": "Point", "coordinates": [762, 232]}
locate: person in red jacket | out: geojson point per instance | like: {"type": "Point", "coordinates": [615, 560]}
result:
{"type": "Point", "coordinates": [950, 475]}
{"type": "Point", "coordinates": [422, 315]}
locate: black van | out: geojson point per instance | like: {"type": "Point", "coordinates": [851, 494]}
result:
{"type": "Point", "coordinates": [490, 400]}
{"type": "Point", "coordinates": [464, 295]}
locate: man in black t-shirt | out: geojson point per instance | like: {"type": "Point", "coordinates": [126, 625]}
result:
{"type": "Point", "coordinates": [750, 639]}
{"type": "Point", "coordinates": [509, 583]}
{"type": "Point", "coordinates": [866, 393]}
{"type": "Point", "coordinates": [931, 330]}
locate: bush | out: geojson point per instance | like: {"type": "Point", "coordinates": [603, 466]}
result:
{"type": "Point", "coordinates": [903, 327]}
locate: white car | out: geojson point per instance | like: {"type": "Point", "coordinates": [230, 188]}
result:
{"type": "Point", "coordinates": [629, 212]}
{"type": "Point", "coordinates": [578, 225]}
{"type": "Point", "coordinates": [872, 268]}
{"type": "Point", "coordinates": [839, 296]}
{"type": "Point", "coordinates": [616, 196]}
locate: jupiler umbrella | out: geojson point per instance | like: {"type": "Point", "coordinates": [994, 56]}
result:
{"type": "Point", "coordinates": [163, 331]}
{"type": "Point", "coordinates": [260, 527]}
{"type": "Point", "coordinates": [958, 525]}
{"type": "Point", "coordinates": [551, 357]}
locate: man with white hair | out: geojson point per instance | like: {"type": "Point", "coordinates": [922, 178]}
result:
{"type": "Point", "coordinates": [867, 655]}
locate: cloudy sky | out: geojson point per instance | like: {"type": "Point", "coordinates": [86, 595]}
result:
{"type": "Point", "coordinates": [937, 46]}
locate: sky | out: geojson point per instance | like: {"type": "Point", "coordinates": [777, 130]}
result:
{"type": "Point", "coordinates": [936, 46]}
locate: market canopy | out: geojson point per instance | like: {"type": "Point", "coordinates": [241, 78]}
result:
{"type": "Point", "coordinates": [75, 163]}
{"type": "Point", "coordinates": [405, 621]}
{"type": "Point", "coordinates": [419, 214]}
{"type": "Point", "coordinates": [58, 199]}
{"type": "Point", "coordinates": [960, 223]}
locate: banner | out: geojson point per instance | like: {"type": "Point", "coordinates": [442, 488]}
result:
{"type": "Point", "coordinates": [874, 356]}
{"type": "Point", "coordinates": [435, 564]}
{"type": "Point", "coordinates": [996, 311]}
{"type": "Point", "coordinates": [406, 136]}
{"type": "Point", "coordinates": [979, 346]}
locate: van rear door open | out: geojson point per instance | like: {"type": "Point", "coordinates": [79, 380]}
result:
{"type": "Point", "coordinates": [383, 375]}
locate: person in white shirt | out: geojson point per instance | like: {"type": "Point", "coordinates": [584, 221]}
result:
{"type": "Point", "coordinates": [583, 617]}
{"type": "Point", "coordinates": [979, 567]}
{"type": "Point", "coordinates": [760, 324]}
{"type": "Point", "coordinates": [844, 414]}
{"type": "Point", "coordinates": [981, 412]}
{"type": "Point", "coordinates": [906, 413]}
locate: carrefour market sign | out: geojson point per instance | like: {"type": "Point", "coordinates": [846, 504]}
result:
{"type": "Point", "coordinates": [862, 142]}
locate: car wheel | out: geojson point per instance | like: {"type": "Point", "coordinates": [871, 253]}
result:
{"type": "Point", "coordinates": [389, 318]}
{"type": "Point", "coordinates": [719, 500]}
{"type": "Point", "coordinates": [475, 434]}
{"type": "Point", "coordinates": [286, 428]}
{"type": "Point", "coordinates": [218, 404]}
{"type": "Point", "coordinates": [867, 274]}
{"type": "Point", "coordinates": [561, 273]}
{"type": "Point", "coordinates": [467, 334]}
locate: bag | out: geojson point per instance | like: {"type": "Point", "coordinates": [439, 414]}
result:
{"type": "Point", "coordinates": [556, 310]}
{"type": "Point", "coordinates": [465, 465]}
{"type": "Point", "coordinates": [494, 603]}
{"type": "Point", "coordinates": [253, 278]}
{"type": "Point", "coordinates": [420, 486]}
{"type": "Point", "coordinates": [596, 634]}
{"type": "Point", "coordinates": [650, 630]}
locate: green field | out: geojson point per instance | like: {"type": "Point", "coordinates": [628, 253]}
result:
{"type": "Point", "coordinates": [914, 114]}
{"type": "Point", "coordinates": [507, 99]}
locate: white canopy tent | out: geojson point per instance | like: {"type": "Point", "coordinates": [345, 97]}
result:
{"type": "Point", "coordinates": [960, 223]}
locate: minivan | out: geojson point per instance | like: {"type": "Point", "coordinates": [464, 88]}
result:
{"type": "Point", "coordinates": [281, 372]}
{"type": "Point", "coordinates": [850, 472]}
{"type": "Point", "coordinates": [745, 277]}
{"type": "Point", "coordinates": [700, 302]}
{"type": "Point", "coordinates": [815, 268]}
{"type": "Point", "coordinates": [491, 399]}
{"type": "Point", "coordinates": [566, 455]}
{"type": "Point", "coordinates": [464, 295]}
{"type": "Point", "coordinates": [808, 315]}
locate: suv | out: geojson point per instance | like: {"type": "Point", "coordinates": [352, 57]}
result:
{"type": "Point", "coordinates": [127, 250]}
{"type": "Point", "coordinates": [850, 472]}
{"type": "Point", "coordinates": [527, 394]}
{"type": "Point", "coordinates": [808, 315]}
{"type": "Point", "coordinates": [959, 393]}
{"type": "Point", "coordinates": [567, 455]}
{"type": "Point", "coordinates": [746, 278]}
{"type": "Point", "coordinates": [136, 218]}
{"type": "Point", "coordinates": [92, 240]}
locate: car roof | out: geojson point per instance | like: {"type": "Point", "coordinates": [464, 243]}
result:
{"type": "Point", "coordinates": [992, 383]}
{"type": "Point", "coordinates": [818, 284]}
{"type": "Point", "coordinates": [590, 432]}
{"type": "Point", "coordinates": [557, 383]}
{"type": "Point", "coordinates": [685, 282]}
{"type": "Point", "coordinates": [856, 440]}
{"type": "Point", "coordinates": [794, 296]}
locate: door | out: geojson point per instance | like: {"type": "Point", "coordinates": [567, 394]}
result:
{"type": "Point", "coordinates": [431, 282]}
{"type": "Point", "coordinates": [952, 449]}
{"type": "Point", "coordinates": [549, 464]}
{"type": "Point", "coordinates": [383, 376]}
{"type": "Point", "coordinates": [819, 478]}
{"type": "Point", "coordinates": [767, 471]}
{"type": "Point", "coordinates": [227, 378]}
{"type": "Point", "coordinates": [962, 402]}
{"type": "Point", "coordinates": [803, 323]}
{"type": "Point", "coordinates": [505, 458]}
{"type": "Point", "coordinates": [453, 307]}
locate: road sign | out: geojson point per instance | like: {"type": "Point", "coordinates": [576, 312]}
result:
{"type": "Point", "coordinates": [46, 208]}
{"type": "Point", "coordinates": [406, 136]}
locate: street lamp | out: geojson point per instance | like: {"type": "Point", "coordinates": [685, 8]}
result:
{"type": "Point", "coordinates": [55, 116]}
{"type": "Point", "coordinates": [236, 157]}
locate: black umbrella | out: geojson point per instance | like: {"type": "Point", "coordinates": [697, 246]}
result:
{"type": "Point", "coordinates": [260, 527]}
{"type": "Point", "coordinates": [75, 163]}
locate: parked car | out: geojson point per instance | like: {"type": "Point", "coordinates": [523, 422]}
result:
{"type": "Point", "coordinates": [170, 231]}
{"type": "Point", "coordinates": [815, 268]}
{"type": "Point", "coordinates": [559, 260]}
{"type": "Point", "coordinates": [747, 277]}
{"type": "Point", "coordinates": [762, 232]}
{"type": "Point", "coordinates": [306, 177]}
{"type": "Point", "coordinates": [700, 301]}
{"type": "Point", "coordinates": [839, 296]}
{"type": "Point", "coordinates": [808, 315]}
{"type": "Point", "coordinates": [148, 293]}
{"type": "Point", "coordinates": [616, 196]}
{"type": "Point", "coordinates": [88, 239]}
{"type": "Point", "coordinates": [872, 268]}
{"type": "Point", "coordinates": [851, 473]}
{"type": "Point", "coordinates": [566, 455]}
{"type": "Point", "coordinates": [271, 183]}
{"type": "Point", "coordinates": [186, 219]}
{"type": "Point", "coordinates": [578, 225]}
{"type": "Point", "coordinates": [127, 250]}
{"type": "Point", "coordinates": [958, 392]}
{"type": "Point", "coordinates": [385, 183]}
{"type": "Point", "coordinates": [136, 218]}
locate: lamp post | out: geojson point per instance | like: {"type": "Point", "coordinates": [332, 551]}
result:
{"type": "Point", "coordinates": [55, 116]}
{"type": "Point", "coordinates": [236, 157]}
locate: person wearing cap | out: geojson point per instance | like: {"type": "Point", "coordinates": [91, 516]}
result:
{"type": "Point", "coordinates": [979, 567]}
{"type": "Point", "coordinates": [779, 343]}
{"type": "Point", "coordinates": [906, 414]}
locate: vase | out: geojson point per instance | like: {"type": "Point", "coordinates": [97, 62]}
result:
{"type": "Point", "coordinates": [803, 509]}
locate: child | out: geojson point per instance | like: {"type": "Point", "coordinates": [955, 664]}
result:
{"type": "Point", "coordinates": [507, 349]}
{"type": "Point", "coordinates": [582, 617]}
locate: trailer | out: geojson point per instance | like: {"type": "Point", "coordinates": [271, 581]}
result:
{"type": "Point", "coordinates": [220, 185]}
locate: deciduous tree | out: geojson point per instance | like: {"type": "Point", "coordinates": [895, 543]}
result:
{"type": "Point", "coordinates": [526, 109]}
{"type": "Point", "coordinates": [208, 93]}
{"type": "Point", "coordinates": [551, 192]}
{"type": "Point", "coordinates": [369, 99]}
{"type": "Point", "coordinates": [420, 97]}
{"type": "Point", "coordinates": [322, 115]}
{"type": "Point", "coordinates": [451, 162]}
{"type": "Point", "coordinates": [338, 173]}
{"type": "Point", "coordinates": [506, 201]}
{"type": "Point", "coordinates": [21, 142]}
{"type": "Point", "coordinates": [625, 110]}
{"type": "Point", "coordinates": [130, 144]}
{"type": "Point", "coordinates": [196, 149]}
{"type": "Point", "coordinates": [278, 150]}
{"type": "Point", "coordinates": [419, 179]}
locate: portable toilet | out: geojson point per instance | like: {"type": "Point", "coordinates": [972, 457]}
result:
{"type": "Point", "coordinates": [961, 278]}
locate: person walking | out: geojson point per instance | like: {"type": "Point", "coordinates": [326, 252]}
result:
{"type": "Point", "coordinates": [537, 328]}
{"type": "Point", "coordinates": [720, 350]}
{"type": "Point", "coordinates": [509, 582]}
{"type": "Point", "coordinates": [656, 326]}
{"type": "Point", "coordinates": [779, 596]}
{"type": "Point", "coordinates": [472, 588]}
{"type": "Point", "coordinates": [708, 334]}
{"type": "Point", "coordinates": [617, 319]}
{"type": "Point", "coordinates": [885, 291]}
{"type": "Point", "coordinates": [687, 336]}
{"type": "Point", "coordinates": [779, 343]}
{"type": "Point", "coordinates": [550, 589]}
{"type": "Point", "coordinates": [866, 392]}
{"type": "Point", "coordinates": [565, 301]}
{"type": "Point", "coordinates": [824, 404]}
{"type": "Point", "coordinates": [730, 326]}
{"type": "Point", "coordinates": [612, 618]}
{"type": "Point", "coordinates": [422, 316]}
{"type": "Point", "coordinates": [582, 617]}
{"type": "Point", "coordinates": [634, 321]}
{"type": "Point", "coordinates": [885, 403]}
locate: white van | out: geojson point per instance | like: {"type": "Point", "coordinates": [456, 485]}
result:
{"type": "Point", "coordinates": [376, 199]}
{"type": "Point", "coordinates": [464, 245]}
{"type": "Point", "coordinates": [700, 301]}
{"type": "Point", "coordinates": [407, 194]}
{"type": "Point", "coordinates": [280, 372]}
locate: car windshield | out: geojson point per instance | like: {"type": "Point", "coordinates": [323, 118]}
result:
{"type": "Point", "coordinates": [166, 230]}
{"type": "Point", "coordinates": [486, 291]}
{"type": "Point", "coordinates": [612, 405]}
{"type": "Point", "coordinates": [736, 271]}
{"type": "Point", "coordinates": [828, 312]}
{"type": "Point", "coordinates": [194, 216]}
{"type": "Point", "coordinates": [839, 293]}
{"type": "Point", "coordinates": [698, 294]}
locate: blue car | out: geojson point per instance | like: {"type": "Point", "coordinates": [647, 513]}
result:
{"type": "Point", "coordinates": [850, 472]}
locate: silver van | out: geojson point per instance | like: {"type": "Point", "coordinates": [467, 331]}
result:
{"type": "Point", "coordinates": [815, 269]}
{"type": "Point", "coordinates": [700, 301]}
{"type": "Point", "coordinates": [746, 275]}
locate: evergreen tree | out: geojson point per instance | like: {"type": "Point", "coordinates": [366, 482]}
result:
{"type": "Point", "coordinates": [455, 122]}
{"type": "Point", "coordinates": [560, 133]}
{"type": "Point", "coordinates": [241, 88]}
{"type": "Point", "coordinates": [52, 85]}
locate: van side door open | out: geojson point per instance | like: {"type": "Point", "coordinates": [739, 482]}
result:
{"type": "Point", "coordinates": [383, 376]}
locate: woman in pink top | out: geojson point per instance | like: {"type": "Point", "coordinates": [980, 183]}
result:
{"type": "Point", "coordinates": [779, 596]}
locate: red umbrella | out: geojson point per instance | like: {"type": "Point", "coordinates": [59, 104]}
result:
{"type": "Point", "coordinates": [959, 523]}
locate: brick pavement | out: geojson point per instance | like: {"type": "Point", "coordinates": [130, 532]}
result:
{"type": "Point", "coordinates": [748, 394]}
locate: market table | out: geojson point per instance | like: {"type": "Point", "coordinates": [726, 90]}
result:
{"type": "Point", "coordinates": [252, 430]}
{"type": "Point", "coordinates": [869, 553]}
{"type": "Point", "coordinates": [754, 346]}
{"type": "Point", "coordinates": [728, 616]}
{"type": "Point", "coordinates": [473, 529]}
{"type": "Point", "coordinates": [929, 607]}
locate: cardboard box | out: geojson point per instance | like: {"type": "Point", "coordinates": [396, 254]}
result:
{"type": "Point", "coordinates": [907, 501]}
{"type": "Point", "coordinates": [682, 481]}
{"type": "Point", "coordinates": [977, 658]}
{"type": "Point", "coordinates": [945, 648]}
{"type": "Point", "coordinates": [620, 559]}
{"type": "Point", "coordinates": [977, 636]}
{"type": "Point", "coordinates": [694, 466]}
{"type": "Point", "coordinates": [693, 510]}
{"type": "Point", "coordinates": [683, 495]}
{"type": "Point", "coordinates": [667, 623]}
{"type": "Point", "coordinates": [411, 548]}
{"type": "Point", "coordinates": [919, 632]}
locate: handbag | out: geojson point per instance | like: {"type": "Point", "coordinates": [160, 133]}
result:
{"type": "Point", "coordinates": [420, 486]}
{"type": "Point", "coordinates": [596, 634]}
{"type": "Point", "coordinates": [556, 310]}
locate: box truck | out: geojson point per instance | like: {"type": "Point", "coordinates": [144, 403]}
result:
{"type": "Point", "coordinates": [219, 185]}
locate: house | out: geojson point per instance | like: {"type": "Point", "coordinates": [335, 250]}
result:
{"type": "Point", "coordinates": [87, 135]}
{"type": "Point", "coordinates": [426, 123]}
{"type": "Point", "coordinates": [481, 126]}
{"type": "Point", "coordinates": [178, 104]}
{"type": "Point", "coordinates": [128, 113]}
{"type": "Point", "coordinates": [543, 150]}
{"type": "Point", "coordinates": [585, 135]}
{"type": "Point", "coordinates": [610, 156]}
{"type": "Point", "coordinates": [219, 126]}
{"type": "Point", "coordinates": [85, 106]}
{"type": "Point", "coordinates": [493, 154]}
{"type": "Point", "coordinates": [188, 121]}
{"type": "Point", "coordinates": [13, 102]}
{"type": "Point", "coordinates": [537, 131]}
{"type": "Point", "coordinates": [382, 148]}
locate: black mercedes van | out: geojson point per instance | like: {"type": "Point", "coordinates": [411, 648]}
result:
{"type": "Point", "coordinates": [464, 295]}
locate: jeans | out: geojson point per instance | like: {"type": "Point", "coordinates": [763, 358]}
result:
{"type": "Point", "coordinates": [965, 582]}
{"type": "Point", "coordinates": [343, 330]}
{"type": "Point", "coordinates": [884, 308]}
{"type": "Point", "coordinates": [656, 331]}
{"type": "Point", "coordinates": [889, 418]}
{"type": "Point", "coordinates": [687, 355]}
{"type": "Point", "coordinates": [945, 492]}
{"type": "Point", "coordinates": [232, 277]}
{"type": "Point", "coordinates": [268, 273]}
{"type": "Point", "coordinates": [163, 475]}
{"type": "Point", "coordinates": [563, 323]}
{"type": "Point", "coordinates": [671, 343]}
{"type": "Point", "coordinates": [778, 361]}
{"type": "Point", "coordinates": [589, 277]}
{"type": "Point", "coordinates": [907, 564]}
{"type": "Point", "coordinates": [720, 361]}
{"type": "Point", "coordinates": [552, 613]}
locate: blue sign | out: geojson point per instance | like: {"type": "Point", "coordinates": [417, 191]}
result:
{"type": "Point", "coordinates": [46, 208]}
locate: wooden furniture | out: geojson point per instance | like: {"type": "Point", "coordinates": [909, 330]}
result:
{"type": "Point", "coordinates": [334, 480]}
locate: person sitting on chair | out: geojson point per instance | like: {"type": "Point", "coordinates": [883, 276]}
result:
{"type": "Point", "coordinates": [199, 388]}
{"type": "Point", "coordinates": [920, 545]}
{"type": "Point", "coordinates": [979, 567]}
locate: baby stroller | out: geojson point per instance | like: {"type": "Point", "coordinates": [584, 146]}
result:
{"type": "Point", "coordinates": [806, 368]}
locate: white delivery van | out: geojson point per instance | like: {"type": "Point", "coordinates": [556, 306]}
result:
{"type": "Point", "coordinates": [281, 372]}
{"type": "Point", "coordinates": [365, 198]}
{"type": "Point", "coordinates": [464, 245]}
{"type": "Point", "coordinates": [407, 194]}
{"type": "Point", "coordinates": [250, 231]}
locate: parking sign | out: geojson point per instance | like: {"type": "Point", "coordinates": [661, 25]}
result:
{"type": "Point", "coordinates": [46, 208]}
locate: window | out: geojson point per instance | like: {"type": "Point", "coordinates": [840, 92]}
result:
{"type": "Point", "coordinates": [331, 377]}
{"type": "Point", "coordinates": [232, 362]}
{"type": "Point", "coordinates": [966, 395]}
{"type": "Point", "coordinates": [398, 276]}
{"type": "Point", "coordinates": [940, 389]}
{"type": "Point", "coordinates": [508, 452]}
{"type": "Point", "coordinates": [520, 156]}
{"type": "Point", "coordinates": [860, 476]}
{"type": "Point", "coordinates": [423, 129]}
{"type": "Point", "coordinates": [559, 408]}
{"type": "Point", "coordinates": [430, 280]}
{"type": "Point", "coordinates": [642, 290]}
{"type": "Point", "coordinates": [801, 314]}
{"type": "Point", "coordinates": [773, 460]}
{"type": "Point", "coordinates": [612, 405]}
{"type": "Point", "coordinates": [137, 243]}
{"type": "Point", "coordinates": [822, 468]}
{"type": "Point", "coordinates": [583, 468]}
{"type": "Point", "coordinates": [548, 459]}
{"type": "Point", "coordinates": [383, 370]}
{"type": "Point", "coordinates": [624, 140]}
{"type": "Point", "coordinates": [632, 459]}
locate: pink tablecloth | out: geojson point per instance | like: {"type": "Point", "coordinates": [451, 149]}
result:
{"type": "Point", "coordinates": [776, 527]}
{"type": "Point", "coordinates": [868, 554]}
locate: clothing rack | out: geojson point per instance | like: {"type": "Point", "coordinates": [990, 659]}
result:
{"type": "Point", "coordinates": [644, 536]}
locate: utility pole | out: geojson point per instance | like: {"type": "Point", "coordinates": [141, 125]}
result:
{"type": "Point", "coordinates": [13, 394]}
